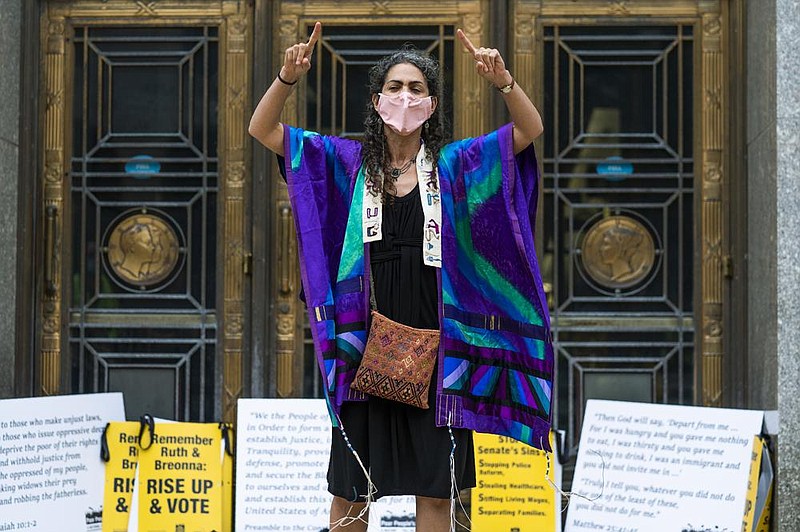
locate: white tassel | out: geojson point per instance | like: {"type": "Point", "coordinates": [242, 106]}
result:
{"type": "Point", "coordinates": [369, 498]}
{"type": "Point", "coordinates": [452, 475]}
{"type": "Point", "coordinates": [455, 493]}
{"type": "Point", "coordinates": [569, 494]}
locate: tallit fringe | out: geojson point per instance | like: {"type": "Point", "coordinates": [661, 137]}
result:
{"type": "Point", "coordinates": [369, 498]}
{"type": "Point", "coordinates": [568, 495]}
{"type": "Point", "coordinates": [455, 493]}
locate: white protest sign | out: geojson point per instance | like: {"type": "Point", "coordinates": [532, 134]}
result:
{"type": "Point", "coordinates": [393, 514]}
{"type": "Point", "coordinates": [666, 467]}
{"type": "Point", "coordinates": [51, 474]}
{"type": "Point", "coordinates": [282, 454]}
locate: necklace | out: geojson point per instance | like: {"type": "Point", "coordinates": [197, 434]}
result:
{"type": "Point", "coordinates": [397, 172]}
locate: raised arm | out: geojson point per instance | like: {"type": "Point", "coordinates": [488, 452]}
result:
{"type": "Point", "coordinates": [265, 123]}
{"type": "Point", "coordinates": [491, 67]}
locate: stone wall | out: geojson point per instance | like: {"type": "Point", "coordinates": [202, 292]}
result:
{"type": "Point", "coordinates": [10, 27]}
{"type": "Point", "coordinates": [773, 147]}
{"type": "Point", "coordinates": [787, 127]}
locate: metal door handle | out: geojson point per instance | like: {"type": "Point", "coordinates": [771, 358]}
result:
{"type": "Point", "coordinates": [51, 218]}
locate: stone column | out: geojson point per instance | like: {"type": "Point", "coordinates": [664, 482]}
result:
{"type": "Point", "coordinates": [762, 201]}
{"type": "Point", "coordinates": [10, 27]}
{"type": "Point", "coordinates": [787, 126]}
{"type": "Point", "coordinates": [773, 148]}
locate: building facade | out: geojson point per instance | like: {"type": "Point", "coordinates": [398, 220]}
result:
{"type": "Point", "coordinates": [150, 247]}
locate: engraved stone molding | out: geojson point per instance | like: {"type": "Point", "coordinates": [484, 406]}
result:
{"type": "Point", "coordinates": [526, 62]}
{"type": "Point", "coordinates": [470, 112]}
{"type": "Point", "coordinates": [236, 68]}
{"type": "Point", "coordinates": [381, 7]}
{"type": "Point", "coordinates": [373, 9]}
{"type": "Point", "coordinates": [619, 7]}
{"type": "Point", "coordinates": [610, 8]}
{"type": "Point", "coordinates": [54, 169]}
{"type": "Point", "coordinates": [146, 10]}
{"type": "Point", "coordinates": [237, 34]}
{"type": "Point", "coordinates": [524, 36]}
{"type": "Point", "coordinates": [286, 331]}
{"type": "Point", "coordinates": [53, 157]}
{"type": "Point", "coordinates": [712, 242]}
{"type": "Point", "coordinates": [288, 312]}
{"type": "Point", "coordinates": [288, 36]}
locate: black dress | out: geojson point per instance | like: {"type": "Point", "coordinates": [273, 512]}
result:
{"type": "Point", "coordinates": [400, 445]}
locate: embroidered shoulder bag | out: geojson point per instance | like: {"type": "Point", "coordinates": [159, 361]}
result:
{"type": "Point", "coordinates": [398, 360]}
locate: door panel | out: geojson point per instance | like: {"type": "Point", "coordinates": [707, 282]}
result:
{"type": "Point", "coordinates": [331, 100]}
{"type": "Point", "coordinates": [631, 235]}
{"type": "Point", "coordinates": [152, 304]}
{"type": "Point", "coordinates": [630, 231]}
{"type": "Point", "coordinates": [144, 191]}
{"type": "Point", "coordinates": [618, 213]}
{"type": "Point", "coordinates": [336, 98]}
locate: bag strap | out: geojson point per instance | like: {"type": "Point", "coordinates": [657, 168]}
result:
{"type": "Point", "coordinates": [372, 304]}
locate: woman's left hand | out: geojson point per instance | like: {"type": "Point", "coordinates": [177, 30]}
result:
{"type": "Point", "coordinates": [492, 68]}
{"type": "Point", "coordinates": [488, 62]}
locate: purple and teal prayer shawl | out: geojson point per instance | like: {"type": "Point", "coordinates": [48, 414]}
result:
{"type": "Point", "coordinates": [495, 367]}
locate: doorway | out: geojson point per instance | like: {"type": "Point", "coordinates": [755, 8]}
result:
{"type": "Point", "coordinates": [144, 227]}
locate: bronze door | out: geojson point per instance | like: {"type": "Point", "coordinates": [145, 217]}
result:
{"type": "Point", "coordinates": [144, 217]}
{"type": "Point", "coordinates": [331, 101]}
{"type": "Point", "coordinates": [632, 224]}
{"type": "Point", "coordinates": [632, 231]}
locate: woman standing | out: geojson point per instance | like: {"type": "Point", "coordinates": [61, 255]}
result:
{"type": "Point", "coordinates": [430, 225]}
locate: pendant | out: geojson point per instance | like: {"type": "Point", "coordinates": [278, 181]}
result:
{"type": "Point", "coordinates": [395, 173]}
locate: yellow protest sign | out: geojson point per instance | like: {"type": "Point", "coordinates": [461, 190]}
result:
{"type": "Point", "coordinates": [120, 453]}
{"type": "Point", "coordinates": [512, 492]}
{"type": "Point", "coordinates": [757, 514]}
{"type": "Point", "coordinates": [180, 475]}
{"type": "Point", "coordinates": [752, 486]}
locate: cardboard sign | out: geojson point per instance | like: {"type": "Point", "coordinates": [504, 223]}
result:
{"type": "Point", "coordinates": [687, 466]}
{"type": "Point", "coordinates": [511, 490]}
{"type": "Point", "coordinates": [283, 446]}
{"type": "Point", "coordinates": [51, 474]}
{"type": "Point", "coordinates": [180, 478]}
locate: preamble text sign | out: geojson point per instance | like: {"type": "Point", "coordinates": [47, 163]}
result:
{"type": "Point", "coordinates": [281, 475]}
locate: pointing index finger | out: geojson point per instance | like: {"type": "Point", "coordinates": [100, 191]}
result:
{"type": "Point", "coordinates": [315, 35]}
{"type": "Point", "coordinates": [465, 41]}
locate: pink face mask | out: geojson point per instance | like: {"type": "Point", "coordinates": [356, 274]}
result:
{"type": "Point", "coordinates": [404, 112]}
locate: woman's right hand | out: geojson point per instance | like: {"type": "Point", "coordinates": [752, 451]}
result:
{"type": "Point", "coordinates": [297, 59]}
{"type": "Point", "coordinates": [265, 123]}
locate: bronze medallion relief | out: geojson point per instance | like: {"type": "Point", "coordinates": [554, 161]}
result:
{"type": "Point", "coordinates": [618, 252]}
{"type": "Point", "coordinates": [142, 249]}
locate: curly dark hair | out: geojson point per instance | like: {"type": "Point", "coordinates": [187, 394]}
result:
{"type": "Point", "coordinates": [375, 151]}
